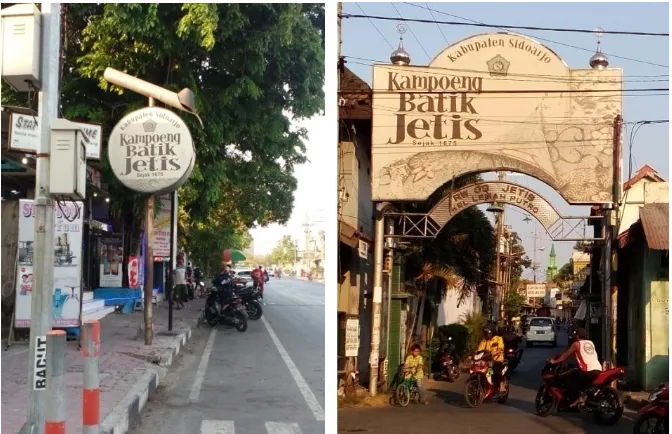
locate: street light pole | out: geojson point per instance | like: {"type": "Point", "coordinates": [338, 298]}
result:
{"type": "Point", "coordinates": [43, 267]}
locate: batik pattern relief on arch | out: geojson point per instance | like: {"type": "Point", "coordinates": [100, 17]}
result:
{"type": "Point", "coordinates": [494, 102]}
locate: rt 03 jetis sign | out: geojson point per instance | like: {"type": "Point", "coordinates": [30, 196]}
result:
{"type": "Point", "coordinates": [151, 151]}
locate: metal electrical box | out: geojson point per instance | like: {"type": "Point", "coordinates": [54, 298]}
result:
{"type": "Point", "coordinates": [21, 43]}
{"type": "Point", "coordinates": [67, 178]}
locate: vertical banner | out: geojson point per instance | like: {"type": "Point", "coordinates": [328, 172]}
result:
{"type": "Point", "coordinates": [141, 260]}
{"type": "Point", "coordinates": [67, 264]}
{"type": "Point", "coordinates": [133, 272]}
{"type": "Point", "coordinates": [111, 257]}
{"type": "Point", "coordinates": [162, 228]}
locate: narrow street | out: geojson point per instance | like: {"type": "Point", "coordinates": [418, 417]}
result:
{"type": "Point", "coordinates": [269, 379]}
{"type": "Point", "coordinates": [447, 412]}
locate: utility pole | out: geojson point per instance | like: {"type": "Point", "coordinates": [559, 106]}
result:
{"type": "Point", "coordinates": [43, 268]}
{"type": "Point", "coordinates": [534, 254]}
{"type": "Point", "coordinates": [377, 299]}
{"type": "Point", "coordinates": [498, 289]}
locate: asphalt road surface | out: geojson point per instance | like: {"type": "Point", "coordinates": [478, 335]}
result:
{"type": "Point", "coordinates": [269, 379]}
{"type": "Point", "coordinates": [447, 412]}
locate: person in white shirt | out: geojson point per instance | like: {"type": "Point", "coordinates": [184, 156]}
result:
{"type": "Point", "coordinates": [180, 284]}
{"type": "Point", "coordinates": [588, 366]}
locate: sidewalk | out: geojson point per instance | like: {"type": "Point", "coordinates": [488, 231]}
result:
{"type": "Point", "coordinates": [129, 370]}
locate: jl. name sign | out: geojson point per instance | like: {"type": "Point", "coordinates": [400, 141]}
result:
{"type": "Point", "coordinates": [151, 151]}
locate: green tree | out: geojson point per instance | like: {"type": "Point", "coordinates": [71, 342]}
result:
{"type": "Point", "coordinates": [284, 253]}
{"type": "Point", "coordinates": [514, 303]}
{"type": "Point", "coordinates": [252, 68]}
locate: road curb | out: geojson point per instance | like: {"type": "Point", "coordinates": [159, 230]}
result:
{"type": "Point", "coordinates": [127, 411]}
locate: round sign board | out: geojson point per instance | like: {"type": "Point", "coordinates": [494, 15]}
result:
{"type": "Point", "coordinates": [151, 151]}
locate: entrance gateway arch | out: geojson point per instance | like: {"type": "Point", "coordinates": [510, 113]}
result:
{"type": "Point", "coordinates": [492, 102]}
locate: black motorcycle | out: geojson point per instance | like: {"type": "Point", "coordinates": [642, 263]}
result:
{"type": "Point", "coordinates": [251, 300]}
{"type": "Point", "coordinates": [221, 308]}
{"type": "Point", "coordinates": [450, 363]}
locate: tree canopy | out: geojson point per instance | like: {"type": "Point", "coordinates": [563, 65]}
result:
{"type": "Point", "coordinates": [284, 253]}
{"type": "Point", "coordinates": [252, 67]}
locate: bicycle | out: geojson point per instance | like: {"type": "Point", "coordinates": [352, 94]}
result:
{"type": "Point", "coordinates": [407, 390]}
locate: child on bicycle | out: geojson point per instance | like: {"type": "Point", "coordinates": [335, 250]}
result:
{"type": "Point", "coordinates": [413, 368]}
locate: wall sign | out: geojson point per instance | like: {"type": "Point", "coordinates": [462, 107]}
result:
{"type": "Point", "coordinates": [40, 364]}
{"type": "Point", "coordinates": [24, 133]}
{"type": "Point", "coordinates": [94, 132]}
{"type": "Point", "coordinates": [351, 337]}
{"type": "Point", "coordinates": [151, 151]}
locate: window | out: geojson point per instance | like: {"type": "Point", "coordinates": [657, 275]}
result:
{"type": "Point", "coordinates": [541, 322]}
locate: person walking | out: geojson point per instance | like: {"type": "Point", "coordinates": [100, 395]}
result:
{"type": "Point", "coordinates": [180, 284]}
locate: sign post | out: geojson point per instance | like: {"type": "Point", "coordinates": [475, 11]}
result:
{"type": "Point", "coordinates": [150, 151]}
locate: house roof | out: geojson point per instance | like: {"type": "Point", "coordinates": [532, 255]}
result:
{"type": "Point", "coordinates": [645, 172]}
{"type": "Point", "coordinates": [655, 220]}
{"type": "Point", "coordinates": [355, 96]}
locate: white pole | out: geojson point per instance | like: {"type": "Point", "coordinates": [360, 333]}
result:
{"type": "Point", "coordinates": [43, 265]}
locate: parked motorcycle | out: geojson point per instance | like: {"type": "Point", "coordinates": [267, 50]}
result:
{"type": "Point", "coordinates": [654, 416]}
{"type": "Point", "coordinates": [225, 310]}
{"type": "Point", "coordinates": [252, 301]}
{"type": "Point", "coordinates": [450, 363]}
{"type": "Point", "coordinates": [480, 386]}
{"type": "Point", "coordinates": [602, 400]}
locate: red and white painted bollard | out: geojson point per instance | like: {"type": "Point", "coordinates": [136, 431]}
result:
{"type": "Point", "coordinates": [91, 391]}
{"type": "Point", "coordinates": [54, 421]}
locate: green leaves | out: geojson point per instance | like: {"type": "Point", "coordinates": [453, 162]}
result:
{"type": "Point", "coordinates": [251, 67]}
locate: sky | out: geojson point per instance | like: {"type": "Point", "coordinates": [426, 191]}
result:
{"type": "Point", "coordinates": [424, 41]}
{"type": "Point", "coordinates": [309, 197]}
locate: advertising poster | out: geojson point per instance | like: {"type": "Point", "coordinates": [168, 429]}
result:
{"type": "Point", "coordinates": [141, 261]}
{"type": "Point", "coordinates": [111, 257]}
{"type": "Point", "coordinates": [67, 264]}
{"type": "Point", "coordinates": [133, 271]}
{"type": "Point", "coordinates": [162, 228]}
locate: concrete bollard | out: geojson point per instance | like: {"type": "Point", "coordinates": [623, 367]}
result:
{"type": "Point", "coordinates": [91, 391]}
{"type": "Point", "coordinates": [54, 421]}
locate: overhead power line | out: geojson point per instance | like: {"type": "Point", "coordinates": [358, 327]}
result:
{"type": "Point", "coordinates": [590, 50]}
{"type": "Point", "coordinates": [530, 77]}
{"type": "Point", "coordinates": [502, 26]}
{"type": "Point", "coordinates": [513, 91]}
{"type": "Point", "coordinates": [374, 26]}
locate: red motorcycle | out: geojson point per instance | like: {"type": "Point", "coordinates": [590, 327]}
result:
{"type": "Point", "coordinates": [654, 416]}
{"type": "Point", "coordinates": [602, 400]}
{"type": "Point", "coordinates": [479, 385]}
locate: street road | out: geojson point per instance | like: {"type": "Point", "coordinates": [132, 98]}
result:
{"type": "Point", "coordinates": [269, 379]}
{"type": "Point", "coordinates": [447, 412]}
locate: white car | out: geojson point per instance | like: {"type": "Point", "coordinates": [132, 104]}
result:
{"type": "Point", "coordinates": [541, 330]}
{"type": "Point", "coordinates": [243, 276]}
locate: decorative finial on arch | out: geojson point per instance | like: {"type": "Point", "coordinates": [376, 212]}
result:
{"type": "Point", "coordinates": [599, 60]}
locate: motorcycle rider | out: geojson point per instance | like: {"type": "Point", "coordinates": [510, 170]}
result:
{"type": "Point", "coordinates": [258, 278]}
{"type": "Point", "coordinates": [511, 340]}
{"type": "Point", "coordinates": [495, 345]}
{"type": "Point", "coordinates": [589, 366]}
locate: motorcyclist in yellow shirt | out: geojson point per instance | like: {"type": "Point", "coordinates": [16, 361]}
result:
{"type": "Point", "coordinates": [495, 345]}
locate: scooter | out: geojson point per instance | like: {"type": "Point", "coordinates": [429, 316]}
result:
{"type": "Point", "coordinates": [654, 416]}
{"type": "Point", "coordinates": [480, 386]}
{"type": "Point", "coordinates": [226, 310]}
{"type": "Point", "coordinates": [450, 364]}
{"type": "Point", "coordinates": [252, 301]}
